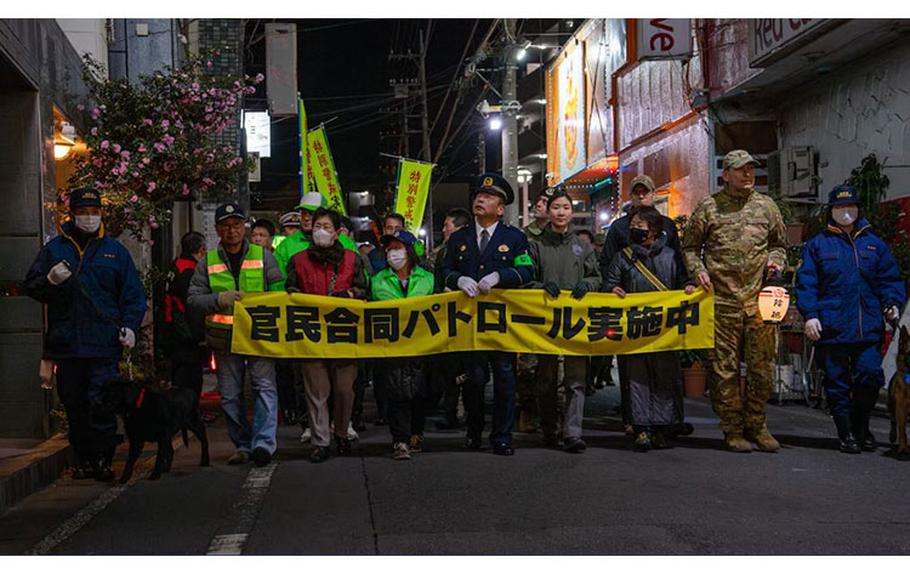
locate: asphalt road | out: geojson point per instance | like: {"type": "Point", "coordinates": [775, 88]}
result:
{"type": "Point", "coordinates": [691, 499]}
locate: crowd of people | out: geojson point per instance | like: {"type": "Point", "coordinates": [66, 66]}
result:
{"type": "Point", "coordinates": [848, 285]}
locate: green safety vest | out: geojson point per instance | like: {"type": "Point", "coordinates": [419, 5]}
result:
{"type": "Point", "coordinates": [221, 279]}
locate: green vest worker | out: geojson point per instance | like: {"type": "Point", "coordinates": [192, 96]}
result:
{"type": "Point", "coordinates": [222, 277]}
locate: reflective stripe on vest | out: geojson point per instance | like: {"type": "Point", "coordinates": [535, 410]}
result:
{"type": "Point", "coordinates": [252, 279]}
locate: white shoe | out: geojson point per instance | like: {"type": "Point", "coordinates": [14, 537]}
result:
{"type": "Point", "coordinates": [352, 434]}
{"type": "Point", "coordinates": [305, 437]}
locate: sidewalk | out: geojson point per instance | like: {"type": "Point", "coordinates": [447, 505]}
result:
{"type": "Point", "coordinates": [28, 465]}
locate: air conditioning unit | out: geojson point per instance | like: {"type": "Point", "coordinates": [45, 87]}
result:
{"type": "Point", "coordinates": [791, 172]}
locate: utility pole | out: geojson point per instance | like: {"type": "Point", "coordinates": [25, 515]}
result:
{"type": "Point", "coordinates": [509, 120]}
{"type": "Point", "coordinates": [426, 154]}
{"type": "Point", "coordinates": [482, 151]}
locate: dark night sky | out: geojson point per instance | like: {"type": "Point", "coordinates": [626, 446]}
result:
{"type": "Point", "coordinates": [344, 64]}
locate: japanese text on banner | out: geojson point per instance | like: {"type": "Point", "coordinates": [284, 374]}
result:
{"type": "Point", "coordinates": [285, 325]}
{"type": "Point", "coordinates": [323, 168]}
{"type": "Point", "coordinates": [413, 188]}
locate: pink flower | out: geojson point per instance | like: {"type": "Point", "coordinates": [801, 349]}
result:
{"type": "Point", "coordinates": [125, 155]}
{"type": "Point", "coordinates": [168, 139]}
{"type": "Point", "coordinates": [145, 161]}
{"type": "Point", "coordinates": [152, 186]}
{"type": "Point", "coordinates": [208, 181]}
{"type": "Point", "coordinates": [208, 63]}
{"type": "Point", "coordinates": [165, 123]}
{"type": "Point", "coordinates": [105, 144]}
{"type": "Point", "coordinates": [134, 198]}
{"type": "Point", "coordinates": [153, 225]}
{"type": "Point", "coordinates": [141, 149]}
{"type": "Point", "coordinates": [94, 131]}
{"type": "Point", "coordinates": [147, 122]}
{"type": "Point", "coordinates": [159, 147]}
{"type": "Point", "coordinates": [260, 77]}
{"type": "Point", "coordinates": [80, 107]}
{"type": "Point", "coordinates": [122, 169]}
{"type": "Point", "coordinates": [151, 242]}
{"type": "Point", "coordinates": [195, 86]}
{"type": "Point", "coordinates": [115, 171]}
{"type": "Point", "coordinates": [116, 148]}
{"type": "Point", "coordinates": [96, 162]}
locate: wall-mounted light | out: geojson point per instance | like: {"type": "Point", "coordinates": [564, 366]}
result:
{"type": "Point", "coordinates": [495, 123]}
{"type": "Point", "coordinates": [64, 141]}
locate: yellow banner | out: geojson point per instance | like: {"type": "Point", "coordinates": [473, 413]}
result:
{"type": "Point", "coordinates": [324, 169]}
{"type": "Point", "coordinates": [282, 325]}
{"type": "Point", "coordinates": [413, 188]}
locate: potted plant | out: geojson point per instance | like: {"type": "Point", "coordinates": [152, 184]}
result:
{"type": "Point", "coordinates": [695, 375]}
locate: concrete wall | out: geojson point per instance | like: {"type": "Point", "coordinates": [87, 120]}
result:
{"type": "Point", "coordinates": [88, 36]}
{"type": "Point", "coordinates": [39, 70]}
{"type": "Point", "coordinates": [860, 108]}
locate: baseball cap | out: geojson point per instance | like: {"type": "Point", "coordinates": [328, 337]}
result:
{"type": "Point", "coordinates": [843, 195]}
{"type": "Point", "coordinates": [404, 237]}
{"type": "Point", "coordinates": [312, 201]}
{"type": "Point", "coordinates": [228, 210]}
{"type": "Point", "coordinates": [85, 197]}
{"type": "Point", "coordinates": [643, 180]}
{"type": "Point", "coordinates": [738, 159]}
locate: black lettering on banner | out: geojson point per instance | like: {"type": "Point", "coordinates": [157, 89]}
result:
{"type": "Point", "coordinates": [483, 325]}
{"type": "Point", "coordinates": [380, 323]}
{"type": "Point", "coordinates": [528, 320]}
{"type": "Point", "coordinates": [303, 321]}
{"type": "Point", "coordinates": [455, 315]}
{"type": "Point", "coordinates": [427, 316]}
{"type": "Point", "coordinates": [685, 315]}
{"type": "Point", "coordinates": [563, 318]}
{"type": "Point", "coordinates": [605, 322]}
{"type": "Point", "coordinates": [264, 323]}
{"type": "Point", "coordinates": [644, 322]}
{"type": "Point", "coordinates": [341, 326]}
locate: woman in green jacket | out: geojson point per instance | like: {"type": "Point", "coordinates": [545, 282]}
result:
{"type": "Point", "coordinates": [404, 377]}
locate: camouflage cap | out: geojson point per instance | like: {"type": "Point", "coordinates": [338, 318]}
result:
{"type": "Point", "coordinates": [644, 180]}
{"type": "Point", "coordinates": [738, 159]}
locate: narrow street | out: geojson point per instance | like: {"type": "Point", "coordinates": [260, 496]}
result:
{"type": "Point", "coordinates": [692, 499]}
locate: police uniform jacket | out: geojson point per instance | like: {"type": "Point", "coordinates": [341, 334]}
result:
{"type": "Point", "coordinates": [506, 253]}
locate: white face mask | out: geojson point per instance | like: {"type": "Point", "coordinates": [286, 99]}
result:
{"type": "Point", "coordinates": [323, 238]}
{"type": "Point", "coordinates": [845, 216]}
{"type": "Point", "coordinates": [397, 258]}
{"type": "Point", "coordinates": [88, 223]}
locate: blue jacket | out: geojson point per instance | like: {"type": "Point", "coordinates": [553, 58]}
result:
{"type": "Point", "coordinates": [846, 282]}
{"type": "Point", "coordinates": [506, 253]}
{"type": "Point", "coordinates": [85, 313]}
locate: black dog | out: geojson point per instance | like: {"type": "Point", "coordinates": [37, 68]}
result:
{"type": "Point", "coordinates": [153, 416]}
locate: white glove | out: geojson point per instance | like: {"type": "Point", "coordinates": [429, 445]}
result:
{"type": "Point", "coordinates": [892, 313]}
{"type": "Point", "coordinates": [814, 329]}
{"type": "Point", "coordinates": [228, 297]}
{"type": "Point", "coordinates": [488, 282]}
{"type": "Point", "coordinates": [59, 273]}
{"type": "Point", "coordinates": [468, 285]}
{"type": "Point", "coordinates": [127, 337]}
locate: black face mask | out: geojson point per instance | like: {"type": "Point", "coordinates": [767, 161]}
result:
{"type": "Point", "coordinates": [638, 236]}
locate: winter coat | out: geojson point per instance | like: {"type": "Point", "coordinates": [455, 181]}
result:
{"type": "Point", "coordinates": [348, 266]}
{"type": "Point", "coordinates": [104, 293]}
{"type": "Point", "coordinates": [846, 282]}
{"type": "Point", "coordinates": [386, 286]}
{"type": "Point", "coordinates": [660, 259]}
{"type": "Point", "coordinates": [201, 299]}
{"type": "Point", "coordinates": [564, 259]}
{"type": "Point", "coordinates": [618, 238]}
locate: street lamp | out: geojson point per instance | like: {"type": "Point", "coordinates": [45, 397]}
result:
{"type": "Point", "coordinates": [495, 123]}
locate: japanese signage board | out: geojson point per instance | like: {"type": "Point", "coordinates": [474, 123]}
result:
{"type": "Point", "coordinates": [323, 168]}
{"type": "Point", "coordinates": [662, 38]}
{"type": "Point", "coordinates": [413, 188]}
{"type": "Point", "coordinates": [282, 325]}
{"type": "Point", "coordinates": [281, 68]}
{"type": "Point", "coordinates": [769, 38]}
{"type": "Point", "coordinates": [258, 129]}
{"type": "Point", "coordinates": [570, 134]}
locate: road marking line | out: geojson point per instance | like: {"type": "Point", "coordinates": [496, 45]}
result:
{"type": "Point", "coordinates": [231, 537]}
{"type": "Point", "coordinates": [71, 526]}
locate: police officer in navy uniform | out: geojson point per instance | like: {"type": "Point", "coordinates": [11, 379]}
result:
{"type": "Point", "coordinates": [484, 255]}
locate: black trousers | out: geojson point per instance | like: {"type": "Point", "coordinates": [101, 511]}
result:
{"type": "Point", "coordinates": [450, 365]}
{"type": "Point", "coordinates": [287, 394]}
{"type": "Point", "coordinates": [406, 417]}
{"type": "Point", "coordinates": [92, 432]}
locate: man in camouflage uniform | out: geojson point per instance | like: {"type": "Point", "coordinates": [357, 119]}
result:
{"type": "Point", "coordinates": [732, 239]}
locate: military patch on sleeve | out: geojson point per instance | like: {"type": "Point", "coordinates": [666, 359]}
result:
{"type": "Point", "coordinates": [523, 260]}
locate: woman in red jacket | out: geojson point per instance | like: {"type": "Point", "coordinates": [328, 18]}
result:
{"type": "Point", "coordinates": [328, 269]}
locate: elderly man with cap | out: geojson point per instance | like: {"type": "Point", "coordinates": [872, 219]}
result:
{"type": "Point", "coordinates": [847, 285]}
{"type": "Point", "coordinates": [484, 255]}
{"type": "Point", "coordinates": [733, 240]}
{"type": "Point", "coordinates": [95, 304]}
{"type": "Point", "coordinates": [222, 277]}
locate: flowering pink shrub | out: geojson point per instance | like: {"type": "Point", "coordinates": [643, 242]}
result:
{"type": "Point", "coordinates": [156, 140]}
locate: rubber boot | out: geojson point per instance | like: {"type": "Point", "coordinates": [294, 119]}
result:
{"type": "Point", "coordinates": [848, 443]}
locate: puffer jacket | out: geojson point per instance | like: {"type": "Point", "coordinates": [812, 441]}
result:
{"type": "Point", "coordinates": [85, 313]}
{"type": "Point", "coordinates": [564, 259]}
{"type": "Point", "coordinates": [846, 282]}
{"type": "Point", "coordinates": [660, 259]}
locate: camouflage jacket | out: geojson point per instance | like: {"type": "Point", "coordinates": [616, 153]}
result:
{"type": "Point", "coordinates": [534, 229]}
{"type": "Point", "coordinates": [733, 237]}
